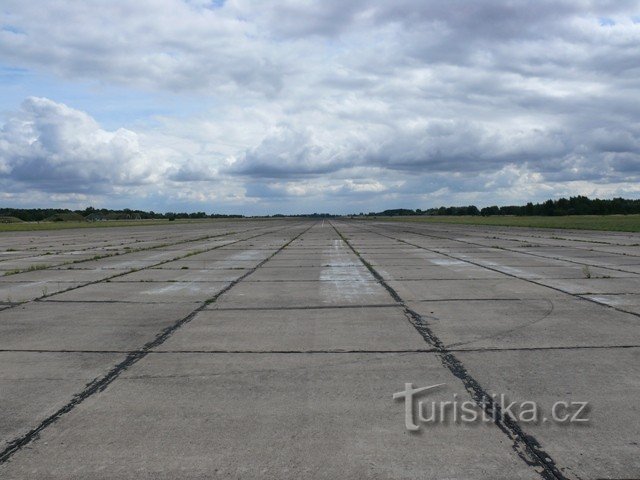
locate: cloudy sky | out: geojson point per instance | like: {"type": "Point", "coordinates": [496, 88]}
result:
{"type": "Point", "coordinates": [297, 106]}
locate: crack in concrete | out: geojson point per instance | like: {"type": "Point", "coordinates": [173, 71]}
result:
{"type": "Point", "coordinates": [524, 445]}
{"type": "Point", "coordinates": [101, 383]}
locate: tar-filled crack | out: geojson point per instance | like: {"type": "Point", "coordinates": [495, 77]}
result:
{"type": "Point", "coordinates": [524, 445]}
{"type": "Point", "coordinates": [101, 383]}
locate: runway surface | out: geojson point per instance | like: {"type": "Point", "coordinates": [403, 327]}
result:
{"type": "Point", "coordinates": [273, 348]}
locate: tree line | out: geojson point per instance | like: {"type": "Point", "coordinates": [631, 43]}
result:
{"type": "Point", "coordinates": [579, 205]}
{"type": "Point", "coordinates": [94, 214]}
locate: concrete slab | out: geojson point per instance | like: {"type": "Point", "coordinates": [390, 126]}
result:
{"type": "Point", "coordinates": [536, 323]}
{"type": "Point", "coordinates": [312, 262]}
{"type": "Point", "coordinates": [628, 302]}
{"type": "Point", "coordinates": [399, 262]}
{"type": "Point", "coordinates": [505, 288]}
{"type": "Point", "coordinates": [518, 262]}
{"type": "Point", "coordinates": [34, 385]}
{"type": "Point", "coordinates": [86, 326]}
{"type": "Point", "coordinates": [314, 399]}
{"type": "Point", "coordinates": [24, 264]}
{"type": "Point", "coordinates": [13, 254]}
{"type": "Point", "coordinates": [629, 268]}
{"type": "Point", "coordinates": [26, 291]}
{"type": "Point", "coordinates": [563, 272]}
{"type": "Point", "coordinates": [308, 274]}
{"type": "Point", "coordinates": [436, 272]}
{"type": "Point", "coordinates": [605, 447]}
{"type": "Point", "coordinates": [586, 286]}
{"type": "Point", "coordinates": [112, 263]}
{"type": "Point", "coordinates": [363, 291]}
{"type": "Point", "coordinates": [59, 275]}
{"type": "Point", "coordinates": [245, 255]}
{"type": "Point", "coordinates": [192, 264]}
{"type": "Point", "coordinates": [181, 275]}
{"type": "Point", "coordinates": [345, 329]}
{"type": "Point", "coordinates": [264, 416]}
{"type": "Point", "coordinates": [143, 292]}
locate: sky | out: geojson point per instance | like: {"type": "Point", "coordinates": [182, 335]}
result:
{"type": "Point", "coordinates": [295, 106]}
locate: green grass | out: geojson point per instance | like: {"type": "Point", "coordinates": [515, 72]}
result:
{"type": "Point", "coordinates": [10, 220]}
{"type": "Point", "coordinates": [30, 226]}
{"type": "Point", "coordinates": [620, 223]}
{"type": "Point", "coordinates": [32, 268]}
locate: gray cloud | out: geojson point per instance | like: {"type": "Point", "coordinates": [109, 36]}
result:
{"type": "Point", "coordinates": [54, 148]}
{"type": "Point", "coordinates": [289, 152]}
{"type": "Point", "coordinates": [407, 100]}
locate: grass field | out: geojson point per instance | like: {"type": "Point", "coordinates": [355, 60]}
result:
{"type": "Point", "coordinates": [620, 223]}
{"type": "Point", "coordinates": [30, 226]}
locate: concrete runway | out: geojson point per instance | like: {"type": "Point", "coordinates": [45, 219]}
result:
{"type": "Point", "coordinates": [272, 349]}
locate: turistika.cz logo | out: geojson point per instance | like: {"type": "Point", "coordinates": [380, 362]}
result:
{"type": "Point", "coordinates": [488, 409]}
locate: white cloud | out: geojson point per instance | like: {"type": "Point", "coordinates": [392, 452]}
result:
{"type": "Point", "coordinates": [54, 148]}
{"type": "Point", "coordinates": [410, 101]}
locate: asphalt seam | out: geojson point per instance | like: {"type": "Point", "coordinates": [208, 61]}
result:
{"type": "Point", "coordinates": [524, 445]}
{"type": "Point", "coordinates": [101, 383]}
